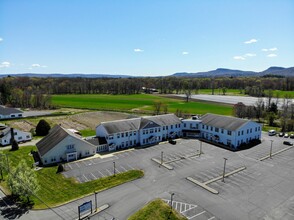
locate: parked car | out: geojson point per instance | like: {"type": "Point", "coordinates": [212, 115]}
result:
{"type": "Point", "coordinates": [288, 143]}
{"type": "Point", "coordinates": [172, 141]}
{"type": "Point", "coordinates": [292, 136]}
{"type": "Point", "coordinates": [286, 135]}
{"type": "Point", "coordinates": [271, 132]}
{"type": "Point", "coordinates": [281, 134]}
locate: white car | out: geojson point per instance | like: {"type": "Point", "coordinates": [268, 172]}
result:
{"type": "Point", "coordinates": [271, 132]}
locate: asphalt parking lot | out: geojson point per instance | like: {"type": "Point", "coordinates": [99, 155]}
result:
{"type": "Point", "coordinates": [264, 190]}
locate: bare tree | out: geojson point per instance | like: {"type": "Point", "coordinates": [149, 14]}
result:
{"type": "Point", "coordinates": [157, 106]}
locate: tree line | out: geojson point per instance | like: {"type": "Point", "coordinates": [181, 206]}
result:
{"type": "Point", "coordinates": [36, 92]}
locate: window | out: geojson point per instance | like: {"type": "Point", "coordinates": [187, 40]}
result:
{"type": "Point", "coordinates": [110, 137]}
{"type": "Point", "coordinates": [216, 129]}
{"type": "Point", "coordinates": [143, 131]}
{"type": "Point", "coordinates": [229, 133]}
{"type": "Point", "coordinates": [255, 128]}
{"type": "Point", "coordinates": [247, 131]}
{"type": "Point", "coordinates": [242, 132]}
{"type": "Point", "coordinates": [250, 130]}
{"type": "Point", "coordinates": [259, 128]}
{"type": "Point", "coordinates": [155, 130]}
{"type": "Point", "coordinates": [28, 136]}
{"type": "Point", "coordinates": [202, 126]}
{"type": "Point", "coordinates": [151, 131]}
{"type": "Point", "coordinates": [15, 133]}
{"type": "Point", "coordinates": [176, 126]}
{"type": "Point", "coordinates": [163, 128]}
{"type": "Point", "coordinates": [122, 135]}
{"type": "Point", "coordinates": [211, 128]}
{"type": "Point", "coordinates": [127, 134]}
{"type": "Point", "coordinates": [135, 133]}
{"type": "Point", "coordinates": [158, 129]}
{"type": "Point", "coordinates": [118, 136]}
{"type": "Point", "coordinates": [166, 127]}
{"type": "Point", "coordinates": [238, 133]}
{"type": "Point", "coordinates": [135, 142]}
{"type": "Point", "coordinates": [143, 141]}
{"type": "Point", "coordinates": [171, 127]}
{"type": "Point", "coordinates": [206, 127]}
{"type": "Point", "coordinates": [222, 131]}
{"type": "Point", "coordinates": [70, 146]}
{"type": "Point", "coordinates": [19, 138]}
{"type": "Point", "coordinates": [184, 125]}
{"type": "Point", "coordinates": [131, 133]}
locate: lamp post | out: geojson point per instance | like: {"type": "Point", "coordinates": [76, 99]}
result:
{"type": "Point", "coordinates": [200, 148]}
{"type": "Point", "coordinates": [161, 161]}
{"type": "Point", "coordinates": [113, 168]}
{"type": "Point", "coordinates": [171, 201]}
{"type": "Point", "coordinates": [271, 148]}
{"type": "Point", "coordinates": [95, 200]}
{"type": "Point", "coordinates": [224, 169]}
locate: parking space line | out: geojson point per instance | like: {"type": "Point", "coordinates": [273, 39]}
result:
{"type": "Point", "coordinates": [101, 173]}
{"type": "Point", "coordinates": [85, 177]}
{"type": "Point", "coordinates": [213, 217]}
{"type": "Point", "coordinates": [78, 165]}
{"type": "Point", "coordinates": [93, 176]}
{"type": "Point", "coordinates": [69, 166]}
{"type": "Point", "coordinates": [132, 168]}
{"type": "Point", "coordinates": [196, 215]}
{"type": "Point", "coordinates": [123, 168]}
{"type": "Point", "coordinates": [108, 172]}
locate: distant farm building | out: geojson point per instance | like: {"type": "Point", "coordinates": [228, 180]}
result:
{"type": "Point", "coordinates": [7, 113]}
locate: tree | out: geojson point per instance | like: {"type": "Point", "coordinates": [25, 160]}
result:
{"type": "Point", "coordinates": [224, 90]}
{"type": "Point", "coordinates": [2, 165]}
{"type": "Point", "coordinates": [42, 128]}
{"type": "Point", "coordinates": [157, 107]}
{"type": "Point", "coordinates": [239, 110]}
{"type": "Point", "coordinates": [271, 116]}
{"type": "Point", "coordinates": [14, 145]}
{"type": "Point", "coordinates": [22, 181]}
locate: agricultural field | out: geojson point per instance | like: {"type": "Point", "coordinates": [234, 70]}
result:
{"type": "Point", "coordinates": [141, 103]}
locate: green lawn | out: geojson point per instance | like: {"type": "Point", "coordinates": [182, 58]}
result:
{"type": "Point", "coordinates": [220, 92]}
{"type": "Point", "coordinates": [55, 189]}
{"type": "Point", "coordinates": [140, 102]}
{"type": "Point", "coordinates": [158, 210]}
{"type": "Point", "coordinates": [88, 132]}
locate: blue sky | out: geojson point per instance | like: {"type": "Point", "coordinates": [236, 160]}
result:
{"type": "Point", "coordinates": [144, 37]}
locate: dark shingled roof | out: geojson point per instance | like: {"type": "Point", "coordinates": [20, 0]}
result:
{"type": "Point", "coordinates": [8, 111]}
{"type": "Point", "coordinates": [225, 122]}
{"type": "Point", "coordinates": [162, 120]}
{"type": "Point", "coordinates": [113, 127]}
{"type": "Point", "coordinates": [96, 141]}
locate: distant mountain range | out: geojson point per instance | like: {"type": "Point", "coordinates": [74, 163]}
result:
{"type": "Point", "coordinates": [218, 73]}
{"type": "Point", "coordinates": [228, 72]}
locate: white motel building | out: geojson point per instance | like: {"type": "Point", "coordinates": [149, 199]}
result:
{"type": "Point", "coordinates": [60, 145]}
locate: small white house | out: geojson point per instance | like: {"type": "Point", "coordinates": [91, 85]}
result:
{"type": "Point", "coordinates": [61, 145]}
{"type": "Point", "coordinates": [7, 113]}
{"type": "Point", "coordinates": [8, 133]}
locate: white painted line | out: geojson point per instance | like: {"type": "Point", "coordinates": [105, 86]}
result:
{"type": "Point", "coordinates": [211, 218]}
{"type": "Point", "coordinates": [123, 168]}
{"type": "Point", "coordinates": [101, 173]}
{"type": "Point", "coordinates": [69, 166]}
{"type": "Point", "coordinates": [78, 165]}
{"type": "Point", "coordinates": [196, 215]}
{"type": "Point", "coordinates": [110, 173]}
{"type": "Point", "coordinates": [132, 168]}
{"type": "Point", "coordinates": [85, 177]}
{"type": "Point", "coordinates": [93, 176]}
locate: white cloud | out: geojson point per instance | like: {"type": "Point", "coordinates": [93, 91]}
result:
{"type": "Point", "coordinates": [5, 64]}
{"type": "Point", "coordinates": [238, 58]}
{"type": "Point", "coordinates": [1, 39]}
{"type": "Point", "coordinates": [36, 65]}
{"type": "Point", "coordinates": [273, 49]}
{"type": "Point", "coordinates": [250, 55]}
{"type": "Point", "coordinates": [185, 53]}
{"type": "Point", "coordinates": [250, 41]}
{"type": "Point", "coordinates": [138, 50]}
{"type": "Point", "coordinates": [272, 55]}
{"type": "Point", "coordinates": [265, 50]}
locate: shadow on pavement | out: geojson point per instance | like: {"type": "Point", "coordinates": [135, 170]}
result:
{"type": "Point", "coordinates": [10, 209]}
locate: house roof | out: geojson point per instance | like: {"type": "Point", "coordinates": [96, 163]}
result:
{"type": "Point", "coordinates": [97, 141]}
{"type": "Point", "coordinates": [225, 122]}
{"type": "Point", "coordinates": [7, 111]}
{"type": "Point", "coordinates": [162, 120]}
{"type": "Point", "coordinates": [113, 127]}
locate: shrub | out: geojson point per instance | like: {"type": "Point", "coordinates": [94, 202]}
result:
{"type": "Point", "coordinates": [42, 128]}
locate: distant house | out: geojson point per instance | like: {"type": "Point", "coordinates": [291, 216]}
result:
{"type": "Point", "coordinates": [62, 145]}
{"type": "Point", "coordinates": [6, 113]}
{"type": "Point", "coordinates": [7, 134]}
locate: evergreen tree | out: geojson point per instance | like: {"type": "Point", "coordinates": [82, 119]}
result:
{"type": "Point", "coordinates": [14, 145]}
{"type": "Point", "coordinates": [42, 128]}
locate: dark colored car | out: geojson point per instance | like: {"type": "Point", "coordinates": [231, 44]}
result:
{"type": "Point", "coordinates": [288, 143]}
{"type": "Point", "coordinates": [172, 142]}
{"type": "Point", "coordinates": [281, 134]}
{"type": "Point", "coordinates": [292, 136]}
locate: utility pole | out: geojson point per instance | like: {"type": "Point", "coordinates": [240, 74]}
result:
{"type": "Point", "coordinates": [161, 161]}
{"type": "Point", "coordinates": [271, 148]}
{"type": "Point", "coordinates": [95, 200]}
{"type": "Point", "coordinates": [224, 169]}
{"type": "Point", "coordinates": [200, 148]}
{"type": "Point", "coordinates": [113, 168]}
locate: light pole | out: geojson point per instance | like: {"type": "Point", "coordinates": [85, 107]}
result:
{"type": "Point", "coordinates": [271, 148]}
{"type": "Point", "coordinates": [95, 200]}
{"type": "Point", "coordinates": [224, 169]}
{"type": "Point", "coordinates": [171, 201]}
{"type": "Point", "coordinates": [161, 161]}
{"type": "Point", "coordinates": [200, 148]}
{"type": "Point", "coordinates": [113, 168]}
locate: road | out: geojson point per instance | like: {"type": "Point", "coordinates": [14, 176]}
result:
{"type": "Point", "coordinates": [234, 99]}
{"type": "Point", "coordinates": [264, 190]}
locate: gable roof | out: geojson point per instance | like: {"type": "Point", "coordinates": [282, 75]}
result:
{"type": "Point", "coordinates": [225, 122]}
{"type": "Point", "coordinates": [7, 111]}
{"type": "Point", "coordinates": [162, 120]}
{"type": "Point", "coordinates": [113, 127]}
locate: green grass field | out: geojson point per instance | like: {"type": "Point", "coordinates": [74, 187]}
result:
{"type": "Point", "coordinates": [220, 92]}
{"type": "Point", "coordinates": [139, 103]}
{"type": "Point", "coordinates": [158, 210]}
{"type": "Point", "coordinates": [56, 189]}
